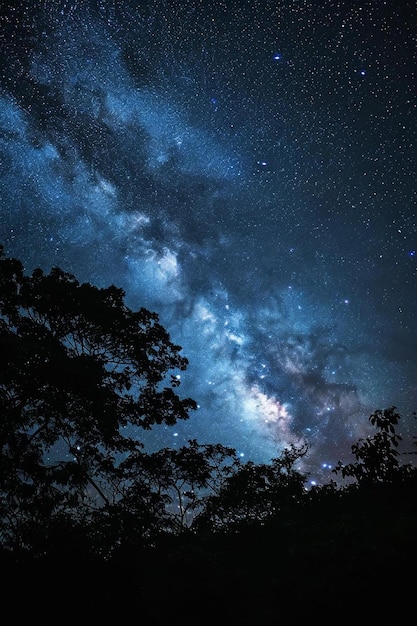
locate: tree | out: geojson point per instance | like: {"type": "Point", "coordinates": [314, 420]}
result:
{"type": "Point", "coordinates": [376, 456]}
{"type": "Point", "coordinates": [255, 493]}
{"type": "Point", "coordinates": [80, 374]}
{"type": "Point", "coordinates": [184, 479]}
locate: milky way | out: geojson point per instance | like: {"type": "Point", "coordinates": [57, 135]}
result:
{"type": "Point", "coordinates": [247, 171]}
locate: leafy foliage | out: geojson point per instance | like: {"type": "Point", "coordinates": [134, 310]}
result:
{"type": "Point", "coordinates": [377, 457]}
{"type": "Point", "coordinates": [185, 479]}
{"type": "Point", "coordinates": [256, 492]}
{"type": "Point", "coordinates": [81, 375]}
{"type": "Point", "coordinates": [79, 372]}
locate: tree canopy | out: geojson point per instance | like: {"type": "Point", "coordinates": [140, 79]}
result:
{"type": "Point", "coordinates": [81, 376]}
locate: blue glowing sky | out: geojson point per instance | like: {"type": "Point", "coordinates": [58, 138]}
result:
{"type": "Point", "coordinates": [244, 169]}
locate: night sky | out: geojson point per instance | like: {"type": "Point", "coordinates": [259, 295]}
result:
{"type": "Point", "coordinates": [247, 170]}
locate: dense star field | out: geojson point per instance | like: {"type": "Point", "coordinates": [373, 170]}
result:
{"type": "Point", "coordinates": [244, 169]}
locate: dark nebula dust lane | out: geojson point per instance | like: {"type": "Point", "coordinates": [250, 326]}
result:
{"type": "Point", "coordinates": [245, 169]}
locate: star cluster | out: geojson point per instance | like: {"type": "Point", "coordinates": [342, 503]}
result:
{"type": "Point", "coordinates": [246, 170]}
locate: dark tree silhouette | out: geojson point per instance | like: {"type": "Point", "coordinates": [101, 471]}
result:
{"type": "Point", "coordinates": [80, 374]}
{"type": "Point", "coordinates": [184, 479]}
{"type": "Point", "coordinates": [256, 493]}
{"type": "Point", "coordinates": [377, 456]}
{"type": "Point", "coordinates": [82, 503]}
